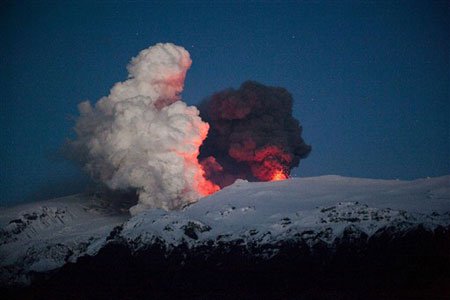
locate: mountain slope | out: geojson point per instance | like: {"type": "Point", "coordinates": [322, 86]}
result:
{"type": "Point", "coordinates": [255, 211]}
{"type": "Point", "coordinates": [246, 224]}
{"type": "Point", "coordinates": [43, 236]}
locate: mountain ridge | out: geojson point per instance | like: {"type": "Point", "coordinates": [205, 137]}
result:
{"type": "Point", "coordinates": [259, 222]}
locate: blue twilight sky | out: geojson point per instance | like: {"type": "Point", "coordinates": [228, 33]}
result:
{"type": "Point", "coordinates": [370, 79]}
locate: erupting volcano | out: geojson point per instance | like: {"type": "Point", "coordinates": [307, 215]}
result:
{"type": "Point", "coordinates": [252, 135]}
{"type": "Point", "coordinates": [144, 138]}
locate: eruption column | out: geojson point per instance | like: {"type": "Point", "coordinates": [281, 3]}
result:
{"type": "Point", "coordinates": [253, 135]}
{"type": "Point", "coordinates": [142, 137]}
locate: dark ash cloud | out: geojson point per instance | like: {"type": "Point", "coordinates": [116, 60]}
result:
{"type": "Point", "coordinates": [252, 135]}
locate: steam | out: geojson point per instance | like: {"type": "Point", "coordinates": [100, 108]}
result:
{"type": "Point", "coordinates": [141, 136]}
{"type": "Point", "coordinates": [253, 135]}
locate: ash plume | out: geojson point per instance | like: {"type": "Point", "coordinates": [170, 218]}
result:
{"type": "Point", "coordinates": [252, 135]}
{"type": "Point", "coordinates": [141, 136]}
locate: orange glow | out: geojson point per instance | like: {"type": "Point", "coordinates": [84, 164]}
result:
{"type": "Point", "coordinates": [208, 188]}
{"type": "Point", "coordinates": [200, 184]}
{"type": "Point", "coordinates": [197, 179]}
{"type": "Point", "coordinates": [278, 175]}
{"type": "Point", "coordinates": [204, 186]}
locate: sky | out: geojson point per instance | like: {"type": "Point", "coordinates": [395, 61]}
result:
{"type": "Point", "coordinates": [370, 80]}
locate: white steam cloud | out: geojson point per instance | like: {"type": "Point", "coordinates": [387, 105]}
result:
{"type": "Point", "coordinates": [141, 136]}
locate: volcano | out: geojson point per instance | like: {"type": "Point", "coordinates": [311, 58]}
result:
{"type": "Point", "coordinates": [299, 237]}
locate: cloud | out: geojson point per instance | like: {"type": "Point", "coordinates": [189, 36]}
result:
{"type": "Point", "coordinates": [142, 136]}
{"type": "Point", "coordinates": [253, 134]}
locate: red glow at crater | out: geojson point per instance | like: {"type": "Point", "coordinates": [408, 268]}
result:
{"type": "Point", "coordinates": [278, 175]}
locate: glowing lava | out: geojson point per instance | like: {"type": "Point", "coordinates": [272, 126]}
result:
{"type": "Point", "coordinates": [278, 175]}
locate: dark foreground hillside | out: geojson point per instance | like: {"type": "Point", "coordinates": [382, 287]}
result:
{"type": "Point", "coordinates": [391, 264]}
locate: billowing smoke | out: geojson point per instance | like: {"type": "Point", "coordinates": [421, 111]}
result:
{"type": "Point", "coordinates": [252, 136]}
{"type": "Point", "coordinates": [141, 136]}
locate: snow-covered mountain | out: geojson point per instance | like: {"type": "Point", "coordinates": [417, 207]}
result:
{"type": "Point", "coordinates": [42, 236]}
{"type": "Point", "coordinates": [258, 218]}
